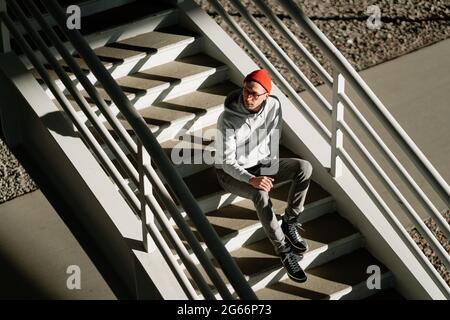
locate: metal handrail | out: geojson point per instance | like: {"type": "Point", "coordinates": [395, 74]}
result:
{"type": "Point", "coordinates": [295, 43]}
{"type": "Point", "coordinates": [131, 198]}
{"type": "Point", "coordinates": [298, 101]}
{"type": "Point", "coordinates": [364, 91]}
{"type": "Point", "coordinates": [442, 224]}
{"type": "Point", "coordinates": [420, 225]}
{"type": "Point", "coordinates": [106, 136]}
{"type": "Point", "coordinates": [344, 71]}
{"type": "Point", "coordinates": [344, 68]}
{"type": "Point", "coordinates": [122, 159]}
{"type": "Point", "coordinates": [93, 144]}
{"type": "Point", "coordinates": [151, 201]}
{"type": "Point", "coordinates": [396, 224]}
{"type": "Point", "coordinates": [175, 182]}
{"type": "Point", "coordinates": [152, 146]}
{"type": "Point", "coordinates": [293, 68]}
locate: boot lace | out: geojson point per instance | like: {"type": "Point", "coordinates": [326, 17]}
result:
{"type": "Point", "coordinates": [292, 261]}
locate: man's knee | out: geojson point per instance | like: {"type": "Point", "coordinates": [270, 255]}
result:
{"type": "Point", "coordinates": [261, 198]}
{"type": "Point", "coordinates": [308, 170]}
{"type": "Point", "coordinates": [305, 169]}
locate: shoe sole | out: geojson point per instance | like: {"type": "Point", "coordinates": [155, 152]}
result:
{"type": "Point", "coordinates": [297, 280]}
{"type": "Point", "coordinates": [298, 250]}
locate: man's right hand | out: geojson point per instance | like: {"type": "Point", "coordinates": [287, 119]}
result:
{"type": "Point", "coordinates": [263, 183]}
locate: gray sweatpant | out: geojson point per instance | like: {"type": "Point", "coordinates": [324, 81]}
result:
{"type": "Point", "coordinates": [289, 169]}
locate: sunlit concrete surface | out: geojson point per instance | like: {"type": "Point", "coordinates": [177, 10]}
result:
{"type": "Point", "coordinates": [415, 88]}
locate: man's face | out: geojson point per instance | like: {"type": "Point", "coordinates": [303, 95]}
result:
{"type": "Point", "coordinates": [253, 95]}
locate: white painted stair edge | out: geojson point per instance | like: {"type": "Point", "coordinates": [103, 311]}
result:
{"type": "Point", "coordinates": [130, 66]}
{"type": "Point", "coordinates": [99, 39]}
{"type": "Point", "coordinates": [313, 258]}
{"type": "Point", "coordinates": [255, 232]}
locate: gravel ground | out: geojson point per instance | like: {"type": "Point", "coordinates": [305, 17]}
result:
{"type": "Point", "coordinates": [407, 25]}
{"type": "Point", "coordinates": [14, 181]}
{"type": "Point", "coordinates": [427, 249]}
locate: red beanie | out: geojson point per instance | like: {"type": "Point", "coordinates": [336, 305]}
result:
{"type": "Point", "coordinates": [262, 77]}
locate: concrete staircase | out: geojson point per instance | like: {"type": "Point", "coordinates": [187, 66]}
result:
{"type": "Point", "coordinates": [336, 263]}
{"type": "Point", "coordinates": [163, 68]}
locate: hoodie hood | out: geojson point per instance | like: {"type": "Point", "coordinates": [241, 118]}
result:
{"type": "Point", "coordinates": [234, 104]}
{"type": "Point", "coordinates": [252, 134]}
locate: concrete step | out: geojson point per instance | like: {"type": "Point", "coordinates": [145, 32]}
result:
{"type": "Point", "coordinates": [238, 225]}
{"type": "Point", "coordinates": [193, 151]}
{"type": "Point", "coordinates": [214, 196]}
{"type": "Point", "coordinates": [118, 55]}
{"type": "Point", "coordinates": [329, 236]}
{"type": "Point", "coordinates": [177, 118]}
{"type": "Point", "coordinates": [156, 85]}
{"type": "Point", "coordinates": [53, 75]}
{"type": "Point", "coordinates": [160, 46]}
{"type": "Point", "coordinates": [118, 23]}
{"type": "Point", "coordinates": [213, 199]}
{"type": "Point", "coordinates": [342, 278]}
{"type": "Point", "coordinates": [138, 53]}
{"type": "Point", "coordinates": [158, 40]}
{"type": "Point", "coordinates": [235, 219]}
{"type": "Point", "coordinates": [91, 11]}
{"type": "Point", "coordinates": [82, 65]}
{"type": "Point", "coordinates": [215, 192]}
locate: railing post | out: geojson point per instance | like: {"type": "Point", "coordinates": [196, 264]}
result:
{"type": "Point", "coordinates": [337, 139]}
{"type": "Point", "coordinates": [145, 188]}
{"type": "Point", "coordinates": [5, 45]}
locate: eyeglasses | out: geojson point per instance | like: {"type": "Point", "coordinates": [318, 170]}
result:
{"type": "Point", "coordinates": [253, 95]}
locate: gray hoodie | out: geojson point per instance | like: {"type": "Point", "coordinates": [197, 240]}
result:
{"type": "Point", "coordinates": [245, 139]}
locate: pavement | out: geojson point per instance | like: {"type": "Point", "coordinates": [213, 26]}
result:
{"type": "Point", "coordinates": [38, 252]}
{"type": "Point", "coordinates": [415, 88]}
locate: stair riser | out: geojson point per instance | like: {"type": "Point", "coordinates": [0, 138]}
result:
{"type": "Point", "coordinates": [255, 232]}
{"type": "Point", "coordinates": [100, 39]}
{"type": "Point", "coordinates": [199, 161]}
{"type": "Point", "coordinates": [167, 92]}
{"type": "Point", "coordinates": [312, 259]}
{"type": "Point", "coordinates": [186, 126]}
{"type": "Point", "coordinates": [183, 50]}
{"type": "Point", "coordinates": [222, 199]}
{"type": "Point", "coordinates": [160, 20]}
{"type": "Point", "coordinates": [87, 8]}
{"type": "Point", "coordinates": [216, 200]}
{"type": "Point", "coordinates": [171, 132]}
{"type": "Point", "coordinates": [187, 170]}
{"type": "Point", "coordinates": [187, 85]}
{"type": "Point", "coordinates": [325, 253]}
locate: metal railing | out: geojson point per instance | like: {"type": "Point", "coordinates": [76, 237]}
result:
{"type": "Point", "coordinates": [343, 72]}
{"type": "Point", "coordinates": [145, 203]}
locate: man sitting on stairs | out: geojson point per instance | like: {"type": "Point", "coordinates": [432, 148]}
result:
{"type": "Point", "coordinates": [248, 165]}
